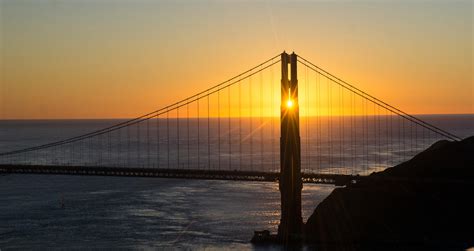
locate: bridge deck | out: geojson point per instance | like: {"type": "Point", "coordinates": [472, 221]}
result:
{"type": "Point", "coordinates": [338, 179]}
{"type": "Point", "coordinates": [317, 178]}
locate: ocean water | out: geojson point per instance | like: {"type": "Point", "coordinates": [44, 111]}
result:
{"type": "Point", "coordinates": [48, 211]}
{"type": "Point", "coordinates": [346, 145]}
{"type": "Point", "coordinates": [54, 211]}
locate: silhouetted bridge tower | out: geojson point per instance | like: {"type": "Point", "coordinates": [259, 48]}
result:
{"type": "Point", "coordinates": [290, 182]}
{"type": "Point", "coordinates": [231, 132]}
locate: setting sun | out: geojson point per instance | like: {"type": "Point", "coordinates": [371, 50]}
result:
{"type": "Point", "coordinates": [289, 103]}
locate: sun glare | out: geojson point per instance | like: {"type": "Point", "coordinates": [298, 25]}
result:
{"type": "Point", "coordinates": [289, 103]}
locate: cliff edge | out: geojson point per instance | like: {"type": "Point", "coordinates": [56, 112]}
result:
{"type": "Point", "coordinates": [427, 200]}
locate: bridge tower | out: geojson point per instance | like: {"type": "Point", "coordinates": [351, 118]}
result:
{"type": "Point", "coordinates": [291, 222]}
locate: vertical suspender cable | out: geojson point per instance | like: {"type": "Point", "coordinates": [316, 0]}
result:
{"type": "Point", "coordinates": [148, 143]}
{"type": "Point", "coordinates": [374, 134]}
{"type": "Point", "coordinates": [391, 139]}
{"type": "Point", "coordinates": [198, 136]}
{"type": "Point", "coordinates": [138, 163]}
{"type": "Point", "coordinates": [416, 139]}
{"type": "Point", "coordinates": [411, 140]}
{"type": "Point", "coordinates": [423, 141]}
{"type": "Point", "coordinates": [72, 151]}
{"type": "Point", "coordinates": [251, 119]}
{"type": "Point", "coordinates": [404, 138]}
{"type": "Point", "coordinates": [177, 138]}
{"type": "Point", "coordinates": [399, 141]}
{"type": "Point", "coordinates": [389, 145]}
{"type": "Point", "coordinates": [119, 147]}
{"type": "Point", "coordinates": [367, 134]}
{"type": "Point", "coordinates": [99, 150]}
{"type": "Point", "coordinates": [306, 119]}
{"type": "Point", "coordinates": [261, 120]}
{"type": "Point", "coordinates": [240, 125]}
{"type": "Point", "coordinates": [187, 134]}
{"type": "Point", "coordinates": [228, 123]}
{"type": "Point", "coordinates": [208, 136]}
{"type": "Point", "coordinates": [272, 107]}
{"type": "Point", "coordinates": [110, 148]}
{"type": "Point", "coordinates": [379, 136]}
{"type": "Point", "coordinates": [320, 133]}
{"type": "Point", "coordinates": [341, 129]}
{"type": "Point", "coordinates": [316, 122]}
{"type": "Point", "coordinates": [329, 116]}
{"type": "Point", "coordinates": [219, 129]}
{"type": "Point", "coordinates": [353, 130]}
{"type": "Point", "coordinates": [157, 140]}
{"type": "Point", "coordinates": [128, 146]}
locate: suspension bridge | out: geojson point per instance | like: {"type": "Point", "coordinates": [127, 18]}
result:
{"type": "Point", "coordinates": [266, 124]}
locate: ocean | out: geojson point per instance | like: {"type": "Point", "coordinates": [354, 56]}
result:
{"type": "Point", "coordinates": [54, 211]}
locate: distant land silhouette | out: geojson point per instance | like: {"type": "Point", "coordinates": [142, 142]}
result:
{"type": "Point", "coordinates": [426, 202]}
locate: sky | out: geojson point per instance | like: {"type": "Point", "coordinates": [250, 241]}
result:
{"type": "Point", "coordinates": [119, 59]}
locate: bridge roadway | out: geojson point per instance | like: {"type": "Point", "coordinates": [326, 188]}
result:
{"type": "Point", "coordinates": [336, 179]}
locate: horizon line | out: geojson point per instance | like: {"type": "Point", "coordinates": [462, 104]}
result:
{"type": "Point", "coordinates": [204, 117]}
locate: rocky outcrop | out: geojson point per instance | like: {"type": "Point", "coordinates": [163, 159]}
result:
{"type": "Point", "coordinates": [428, 200]}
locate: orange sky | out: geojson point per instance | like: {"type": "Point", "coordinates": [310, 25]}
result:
{"type": "Point", "coordinates": [102, 59]}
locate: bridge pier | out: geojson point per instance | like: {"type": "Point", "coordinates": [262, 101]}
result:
{"type": "Point", "coordinates": [291, 223]}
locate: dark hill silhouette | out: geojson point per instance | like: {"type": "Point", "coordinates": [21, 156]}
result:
{"type": "Point", "coordinates": [444, 159]}
{"type": "Point", "coordinates": [427, 201]}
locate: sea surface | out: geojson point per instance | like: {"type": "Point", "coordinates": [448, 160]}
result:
{"type": "Point", "coordinates": [56, 211]}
